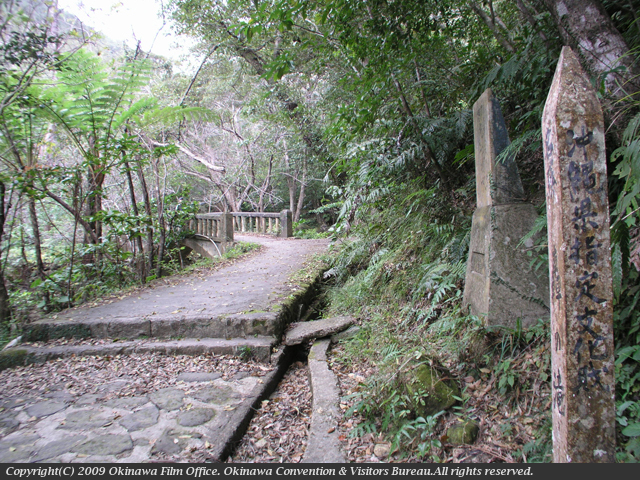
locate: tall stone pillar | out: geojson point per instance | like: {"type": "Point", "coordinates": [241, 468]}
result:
{"type": "Point", "coordinates": [500, 286]}
{"type": "Point", "coordinates": [582, 355]}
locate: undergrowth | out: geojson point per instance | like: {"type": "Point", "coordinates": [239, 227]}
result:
{"type": "Point", "coordinates": [23, 301]}
{"type": "Point", "coordinates": [402, 276]}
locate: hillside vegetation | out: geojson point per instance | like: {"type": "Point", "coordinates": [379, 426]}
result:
{"type": "Point", "coordinates": [356, 115]}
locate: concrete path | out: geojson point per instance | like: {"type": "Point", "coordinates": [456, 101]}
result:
{"type": "Point", "coordinates": [194, 410]}
{"type": "Point", "coordinates": [236, 301]}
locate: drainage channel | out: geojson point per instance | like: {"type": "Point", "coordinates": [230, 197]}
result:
{"type": "Point", "coordinates": [297, 416]}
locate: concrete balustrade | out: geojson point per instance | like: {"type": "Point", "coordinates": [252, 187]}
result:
{"type": "Point", "coordinates": [214, 231]}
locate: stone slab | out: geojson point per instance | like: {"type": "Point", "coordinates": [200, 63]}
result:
{"type": "Point", "coordinates": [194, 377]}
{"type": "Point", "coordinates": [195, 416]}
{"type": "Point", "coordinates": [323, 445]}
{"type": "Point", "coordinates": [497, 182]}
{"type": "Point", "coordinates": [140, 419]}
{"type": "Point", "coordinates": [500, 285]}
{"type": "Point", "coordinates": [301, 332]}
{"type": "Point", "coordinates": [259, 347]}
{"type": "Point", "coordinates": [168, 398]}
{"type": "Point", "coordinates": [109, 444]}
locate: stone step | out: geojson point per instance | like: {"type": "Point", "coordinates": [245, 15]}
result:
{"type": "Point", "coordinates": [303, 331]}
{"type": "Point", "coordinates": [157, 326]}
{"type": "Point", "coordinates": [258, 348]}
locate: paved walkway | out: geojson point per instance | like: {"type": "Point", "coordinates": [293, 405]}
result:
{"type": "Point", "coordinates": [236, 301]}
{"type": "Point", "coordinates": [121, 420]}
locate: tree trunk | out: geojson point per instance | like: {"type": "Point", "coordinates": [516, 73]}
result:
{"type": "Point", "coordinates": [428, 154]}
{"type": "Point", "coordinates": [33, 214]}
{"type": "Point", "coordinates": [161, 225]}
{"type": "Point", "coordinates": [5, 308]}
{"type": "Point", "coordinates": [147, 209]}
{"type": "Point", "coordinates": [134, 206]}
{"type": "Point", "coordinates": [298, 211]}
{"type": "Point", "coordinates": [265, 186]}
{"type": "Point", "coordinates": [495, 29]}
{"type": "Point", "coordinates": [585, 26]}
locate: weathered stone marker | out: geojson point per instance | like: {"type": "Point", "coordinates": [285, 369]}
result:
{"type": "Point", "coordinates": [500, 286]}
{"type": "Point", "coordinates": [583, 407]}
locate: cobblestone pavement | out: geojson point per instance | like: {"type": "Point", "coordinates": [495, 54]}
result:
{"type": "Point", "coordinates": [123, 420]}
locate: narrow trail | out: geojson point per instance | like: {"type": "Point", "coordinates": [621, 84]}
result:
{"type": "Point", "coordinates": [253, 284]}
{"type": "Point", "coordinates": [94, 404]}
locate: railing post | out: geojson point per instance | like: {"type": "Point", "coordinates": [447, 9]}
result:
{"type": "Point", "coordinates": [226, 227]}
{"type": "Point", "coordinates": [286, 222]}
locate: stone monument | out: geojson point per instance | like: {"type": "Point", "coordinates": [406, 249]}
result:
{"type": "Point", "coordinates": [500, 286]}
{"type": "Point", "coordinates": [582, 356]}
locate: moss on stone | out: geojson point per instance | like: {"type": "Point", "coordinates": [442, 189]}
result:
{"type": "Point", "coordinates": [42, 332]}
{"type": "Point", "coordinates": [463, 433]}
{"type": "Point", "coordinates": [428, 391]}
{"type": "Point", "coordinates": [12, 357]}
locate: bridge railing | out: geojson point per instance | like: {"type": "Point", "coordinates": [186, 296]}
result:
{"type": "Point", "coordinates": [219, 227]}
{"type": "Point", "coordinates": [279, 224]}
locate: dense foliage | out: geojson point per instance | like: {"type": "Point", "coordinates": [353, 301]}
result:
{"type": "Point", "coordinates": [356, 115]}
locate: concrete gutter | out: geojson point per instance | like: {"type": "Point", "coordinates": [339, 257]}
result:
{"type": "Point", "coordinates": [323, 445]}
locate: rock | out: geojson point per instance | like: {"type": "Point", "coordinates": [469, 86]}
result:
{"type": "Point", "coordinates": [105, 445]}
{"type": "Point", "coordinates": [382, 450]}
{"type": "Point", "coordinates": [58, 447]}
{"type": "Point", "coordinates": [12, 357]}
{"type": "Point", "coordinates": [169, 443]}
{"type": "Point", "coordinates": [141, 419]}
{"type": "Point", "coordinates": [88, 399]}
{"type": "Point", "coordinates": [8, 423]}
{"type": "Point", "coordinates": [303, 331]}
{"type": "Point", "coordinates": [167, 398]}
{"type": "Point", "coordinates": [60, 396]}
{"type": "Point", "coordinates": [113, 386]}
{"type": "Point", "coordinates": [18, 448]}
{"type": "Point", "coordinates": [214, 394]}
{"type": "Point", "coordinates": [198, 377]}
{"type": "Point", "coordinates": [350, 332]}
{"type": "Point", "coordinates": [43, 409]}
{"type": "Point", "coordinates": [240, 375]}
{"type": "Point", "coordinates": [436, 393]}
{"type": "Point", "coordinates": [84, 419]}
{"type": "Point", "coordinates": [126, 403]}
{"type": "Point", "coordinates": [195, 416]}
{"type": "Point", "coordinates": [463, 433]}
